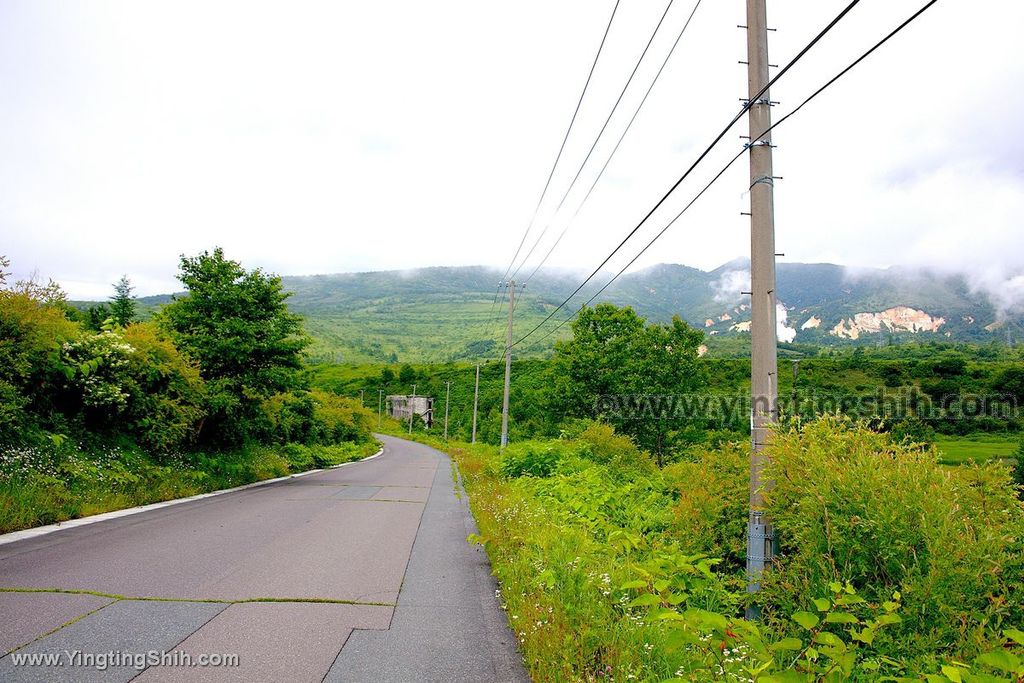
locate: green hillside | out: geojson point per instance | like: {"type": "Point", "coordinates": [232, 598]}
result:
{"type": "Point", "coordinates": [451, 314]}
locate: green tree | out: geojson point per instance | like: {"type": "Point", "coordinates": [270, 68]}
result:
{"type": "Point", "coordinates": [407, 375]}
{"type": "Point", "coordinates": [122, 306]}
{"type": "Point", "coordinates": [628, 373]}
{"type": "Point", "coordinates": [96, 316]}
{"type": "Point", "coordinates": [235, 324]}
{"type": "Point", "coordinates": [387, 376]}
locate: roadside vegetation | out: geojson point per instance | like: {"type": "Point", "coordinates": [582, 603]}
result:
{"type": "Point", "coordinates": [99, 411]}
{"type": "Point", "coordinates": [618, 538]}
{"type": "Point", "coordinates": [891, 566]}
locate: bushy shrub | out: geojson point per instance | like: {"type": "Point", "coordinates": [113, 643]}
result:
{"type": "Point", "coordinates": [607, 447]}
{"type": "Point", "coordinates": [165, 392]}
{"type": "Point", "coordinates": [711, 508]}
{"type": "Point", "coordinates": [532, 458]}
{"type": "Point", "coordinates": [31, 374]}
{"type": "Point", "coordinates": [339, 418]}
{"type": "Point", "coordinates": [97, 365]}
{"type": "Point", "coordinates": [134, 382]}
{"type": "Point", "coordinates": [314, 417]}
{"type": "Point", "coordinates": [849, 503]}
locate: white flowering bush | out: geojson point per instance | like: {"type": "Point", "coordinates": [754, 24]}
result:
{"type": "Point", "coordinates": [97, 364]}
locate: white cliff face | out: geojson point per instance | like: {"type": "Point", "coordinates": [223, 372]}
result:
{"type": "Point", "coordinates": [741, 327]}
{"type": "Point", "coordinates": [897, 319]}
{"type": "Point", "coordinates": [811, 323]}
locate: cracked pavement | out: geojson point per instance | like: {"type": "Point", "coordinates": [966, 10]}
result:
{"type": "Point", "coordinates": [361, 573]}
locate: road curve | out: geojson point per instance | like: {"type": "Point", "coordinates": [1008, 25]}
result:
{"type": "Point", "coordinates": [361, 573]}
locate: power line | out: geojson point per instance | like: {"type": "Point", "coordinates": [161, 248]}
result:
{"type": "Point", "coordinates": [607, 120]}
{"type": "Point", "coordinates": [700, 158]}
{"type": "Point", "coordinates": [813, 95]}
{"type": "Point", "coordinates": [565, 139]}
{"type": "Point", "coordinates": [617, 145]}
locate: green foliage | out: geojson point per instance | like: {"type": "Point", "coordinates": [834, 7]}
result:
{"type": "Point", "coordinates": [99, 419]}
{"type": "Point", "coordinates": [315, 417]}
{"type": "Point", "coordinates": [532, 458]}
{"type": "Point", "coordinates": [1018, 466]}
{"type": "Point", "coordinates": [712, 518]}
{"type": "Point", "coordinates": [97, 365]}
{"type": "Point", "coordinates": [32, 333]}
{"type": "Point", "coordinates": [849, 503]}
{"type": "Point", "coordinates": [615, 360]}
{"type": "Point", "coordinates": [891, 565]}
{"type": "Point", "coordinates": [122, 306]}
{"type": "Point", "coordinates": [165, 393]}
{"type": "Point", "coordinates": [236, 325]}
{"type": "Point", "coordinates": [407, 374]}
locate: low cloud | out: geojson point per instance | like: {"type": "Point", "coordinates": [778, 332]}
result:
{"type": "Point", "coordinates": [729, 287]}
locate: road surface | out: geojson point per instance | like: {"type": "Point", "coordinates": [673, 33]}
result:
{"type": "Point", "coordinates": [361, 573]}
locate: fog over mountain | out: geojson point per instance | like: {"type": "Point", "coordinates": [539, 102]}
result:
{"type": "Point", "coordinates": [444, 313]}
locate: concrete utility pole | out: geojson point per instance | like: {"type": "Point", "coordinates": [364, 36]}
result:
{"type": "Point", "coordinates": [447, 395]}
{"type": "Point", "coordinates": [412, 407]}
{"type": "Point", "coordinates": [476, 397]}
{"type": "Point", "coordinates": [380, 406]}
{"type": "Point", "coordinates": [508, 363]}
{"type": "Point", "coordinates": [796, 398]}
{"type": "Point", "coordinates": [763, 355]}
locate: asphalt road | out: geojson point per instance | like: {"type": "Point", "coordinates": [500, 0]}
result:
{"type": "Point", "coordinates": [361, 573]}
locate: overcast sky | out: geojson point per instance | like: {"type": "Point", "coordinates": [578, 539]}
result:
{"type": "Point", "coordinates": [347, 136]}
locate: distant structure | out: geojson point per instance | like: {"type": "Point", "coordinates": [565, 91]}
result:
{"type": "Point", "coordinates": [423, 406]}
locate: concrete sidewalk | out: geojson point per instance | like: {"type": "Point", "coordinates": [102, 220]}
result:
{"type": "Point", "coordinates": [356, 574]}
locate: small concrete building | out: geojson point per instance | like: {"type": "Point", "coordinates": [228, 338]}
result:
{"type": "Point", "coordinates": [419, 405]}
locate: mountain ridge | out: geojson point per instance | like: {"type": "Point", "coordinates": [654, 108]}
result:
{"type": "Point", "coordinates": [440, 313]}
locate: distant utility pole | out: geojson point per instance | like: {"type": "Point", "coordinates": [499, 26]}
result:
{"type": "Point", "coordinates": [361, 401]}
{"type": "Point", "coordinates": [763, 354]}
{"type": "Point", "coordinates": [796, 398]}
{"type": "Point", "coordinates": [380, 406]}
{"type": "Point", "coordinates": [476, 397]}
{"type": "Point", "coordinates": [447, 395]}
{"type": "Point", "coordinates": [508, 362]}
{"type": "Point", "coordinates": [412, 407]}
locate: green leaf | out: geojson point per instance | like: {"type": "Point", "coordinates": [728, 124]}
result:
{"type": "Point", "coordinates": [708, 619]}
{"type": "Point", "coordinates": [645, 600]}
{"type": "Point", "coordinates": [866, 636]}
{"type": "Point", "coordinates": [1000, 659]}
{"type": "Point", "coordinates": [788, 644]}
{"type": "Point", "coordinates": [886, 619]}
{"type": "Point", "coordinates": [675, 598]}
{"type": "Point", "coordinates": [805, 619]}
{"type": "Point", "coordinates": [661, 584]}
{"type": "Point", "coordinates": [822, 604]}
{"type": "Point", "coordinates": [632, 585]}
{"type": "Point", "coordinates": [849, 600]}
{"type": "Point", "coordinates": [952, 673]}
{"type": "Point", "coordinates": [830, 639]}
{"type": "Point", "coordinates": [841, 618]}
{"type": "Point", "coordinates": [661, 614]}
{"type": "Point", "coordinates": [784, 677]}
{"type": "Point", "coordinates": [1014, 635]}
